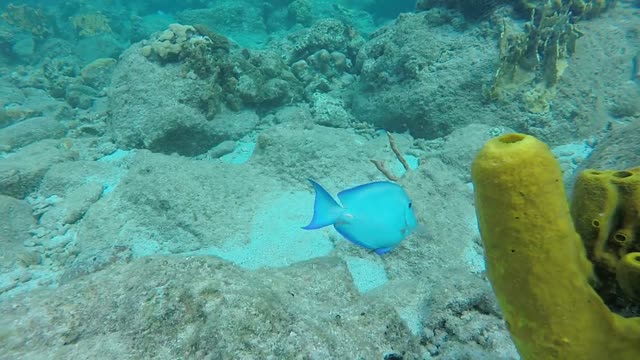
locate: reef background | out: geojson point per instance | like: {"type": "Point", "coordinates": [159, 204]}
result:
{"type": "Point", "coordinates": [154, 157]}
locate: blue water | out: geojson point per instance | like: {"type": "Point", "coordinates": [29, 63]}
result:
{"type": "Point", "coordinates": [154, 158]}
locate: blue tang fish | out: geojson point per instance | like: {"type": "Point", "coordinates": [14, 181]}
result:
{"type": "Point", "coordinates": [376, 216]}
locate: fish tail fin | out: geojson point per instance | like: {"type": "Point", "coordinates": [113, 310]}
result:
{"type": "Point", "coordinates": [326, 211]}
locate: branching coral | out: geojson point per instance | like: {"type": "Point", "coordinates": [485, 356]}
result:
{"type": "Point", "coordinates": [577, 8]}
{"type": "Point", "coordinates": [540, 52]}
{"type": "Point", "coordinates": [532, 61]}
{"type": "Point", "coordinates": [479, 8]}
{"type": "Point", "coordinates": [90, 24]}
{"type": "Point", "coordinates": [381, 165]}
{"type": "Point", "coordinates": [33, 20]}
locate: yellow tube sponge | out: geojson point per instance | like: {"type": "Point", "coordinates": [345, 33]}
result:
{"type": "Point", "coordinates": [536, 262]}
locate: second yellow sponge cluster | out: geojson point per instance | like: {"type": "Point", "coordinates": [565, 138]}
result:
{"type": "Point", "coordinates": [606, 213]}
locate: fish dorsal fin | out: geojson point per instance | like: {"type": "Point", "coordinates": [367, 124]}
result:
{"type": "Point", "coordinates": [326, 211]}
{"type": "Point", "coordinates": [354, 195]}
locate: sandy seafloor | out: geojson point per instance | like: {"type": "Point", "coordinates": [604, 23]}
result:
{"type": "Point", "coordinates": [153, 183]}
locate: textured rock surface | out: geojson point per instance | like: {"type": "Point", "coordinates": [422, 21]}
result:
{"type": "Point", "coordinates": [205, 308]}
{"type": "Point", "coordinates": [21, 172]}
{"type": "Point", "coordinates": [14, 229]}
{"type": "Point", "coordinates": [153, 107]}
{"type": "Point", "coordinates": [412, 70]}
{"type": "Point", "coordinates": [618, 149]}
{"type": "Point", "coordinates": [30, 131]}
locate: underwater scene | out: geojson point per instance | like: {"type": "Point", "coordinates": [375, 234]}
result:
{"type": "Point", "coordinates": [314, 179]}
